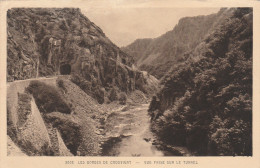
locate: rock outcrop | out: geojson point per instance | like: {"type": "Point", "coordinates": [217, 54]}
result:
{"type": "Point", "coordinates": [53, 41]}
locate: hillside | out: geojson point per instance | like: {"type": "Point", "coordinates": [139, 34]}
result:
{"type": "Point", "coordinates": [62, 41]}
{"type": "Point", "coordinates": [47, 118]}
{"type": "Point", "coordinates": [157, 56]}
{"type": "Point", "coordinates": [64, 77]}
{"type": "Point", "coordinates": [206, 102]}
{"type": "Point", "coordinates": [137, 49]}
{"type": "Point", "coordinates": [72, 92]}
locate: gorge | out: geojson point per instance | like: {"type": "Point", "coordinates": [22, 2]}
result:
{"type": "Point", "coordinates": [72, 92]}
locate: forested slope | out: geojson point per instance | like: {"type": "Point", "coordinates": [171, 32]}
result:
{"type": "Point", "coordinates": [206, 102]}
{"type": "Point", "coordinates": [159, 55]}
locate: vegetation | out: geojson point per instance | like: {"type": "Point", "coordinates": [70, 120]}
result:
{"type": "Point", "coordinates": [48, 98]}
{"type": "Point", "coordinates": [206, 100]}
{"type": "Point", "coordinates": [157, 56]}
{"type": "Point", "coordinates": [95, 91]}
{"type": "Point", "coordinates": [206, 105]}
{"type": "Point", "coordinates": [60, 84]}
{"type": "Point", "coordinates": [65, 41]}
{"type": "Point", "coordinates": [49, 42]}
{"type": "Point", "coordinates": [113, 95]}
{"type": "Point", "coordinates": [122, 98]}
{"type": "Point", "coordinates": [28, 148]}
{"type": "Point", "coordinates": [70, 130]}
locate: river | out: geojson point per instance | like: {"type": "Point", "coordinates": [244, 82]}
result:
{"type": "Point", "coordinates": [128, 134]}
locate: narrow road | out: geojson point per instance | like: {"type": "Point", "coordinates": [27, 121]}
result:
{"type": "Point", "coordinates": [39, 79]}
{"type": "Point", "coordinates": [130, 134]}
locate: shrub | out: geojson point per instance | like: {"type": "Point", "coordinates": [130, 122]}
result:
{"type": "Point", "coordinates": [76, 79]}
{"type": "Point", "coordinates": [113, 95]}
{"type": "Point", "coordinates": [231, 139]}
{"type": "Point", "coordinates": [171, 128]}
{"type": "Point", "coordinates": [60, 84]}
{"type": "Point", "coordinates": [122, 98]}
{"type": "Point", "coordinates": [70, 130]}
{"type": "Point", "coordinates": [99, 94]}
{"type": "Point", "coordinates": [47, 98]}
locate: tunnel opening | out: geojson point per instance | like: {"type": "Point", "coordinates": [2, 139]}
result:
{"type": "Point", "coordinates": [65, 69]}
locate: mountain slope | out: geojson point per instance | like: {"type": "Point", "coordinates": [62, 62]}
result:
{"type": "Point", "coordinates": [137, 48]}
{"type": "Point", "coordinates": [62, 41]}
{"type": "Point", "coordinates": [206, 102]}
{"type": "Point", "coordinates": [159, 55]}
{"type": "Point", "coordinates": [60, 65]}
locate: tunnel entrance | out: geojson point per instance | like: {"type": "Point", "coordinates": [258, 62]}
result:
{"type": "Point", "coordinates": [65, 69]}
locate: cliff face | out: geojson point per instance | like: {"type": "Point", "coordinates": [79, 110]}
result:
{"type": "Point", "coordinates": [49, 42]}
{"type": "Point", "coordinates": [157, 56]}
{"type": "Point", "coordinates": [206, 102]}
{"type": "Point", "coordinates": [79, 61]}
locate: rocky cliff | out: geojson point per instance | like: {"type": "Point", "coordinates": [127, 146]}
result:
{"type": "Point", "coordinates": [157, 56]}
{"type": "Point", "coordinates": [57, 62]}
{"type": "Point", "coordinates": [49, 42]}
{"type": "Point", "coordinates": [206, 102]}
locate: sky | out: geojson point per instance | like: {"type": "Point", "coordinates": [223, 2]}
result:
{"type": "Point", "coordinates": [124, 25]}
{"type": "Point", "coordinates": [124, 21]}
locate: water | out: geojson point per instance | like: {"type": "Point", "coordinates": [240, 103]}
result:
{"type": "Point", "coordinates": [130, 135]}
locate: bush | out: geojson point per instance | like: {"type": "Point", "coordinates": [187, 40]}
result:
{"type": "Point", "coordinates": [171, 128]}
{"type": "Point", "coordinates": [76, 79]}
{"type": "Point", "coordinates": [122, 98]}
{"type": "Point", "coordinates": [225, 135]}
{"type": "Point", "coordinates": [60, 84]}
{"type": "Point", "coordinates": [99, 94]}
{"type": "Point", "coordinates": [70, 130]}
{"type": "Point", "coordinates": [47, 98]}
{"type": "Point", "coordinates": [113, 95]}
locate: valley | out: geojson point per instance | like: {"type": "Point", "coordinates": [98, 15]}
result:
{"type": "Point", "coordinates": [72, 92]}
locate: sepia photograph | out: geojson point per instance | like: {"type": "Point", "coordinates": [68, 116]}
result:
{"type": "Point", "coordinates": [178, 87]}
{"type": "Point", "coordinates": [116, 83]}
